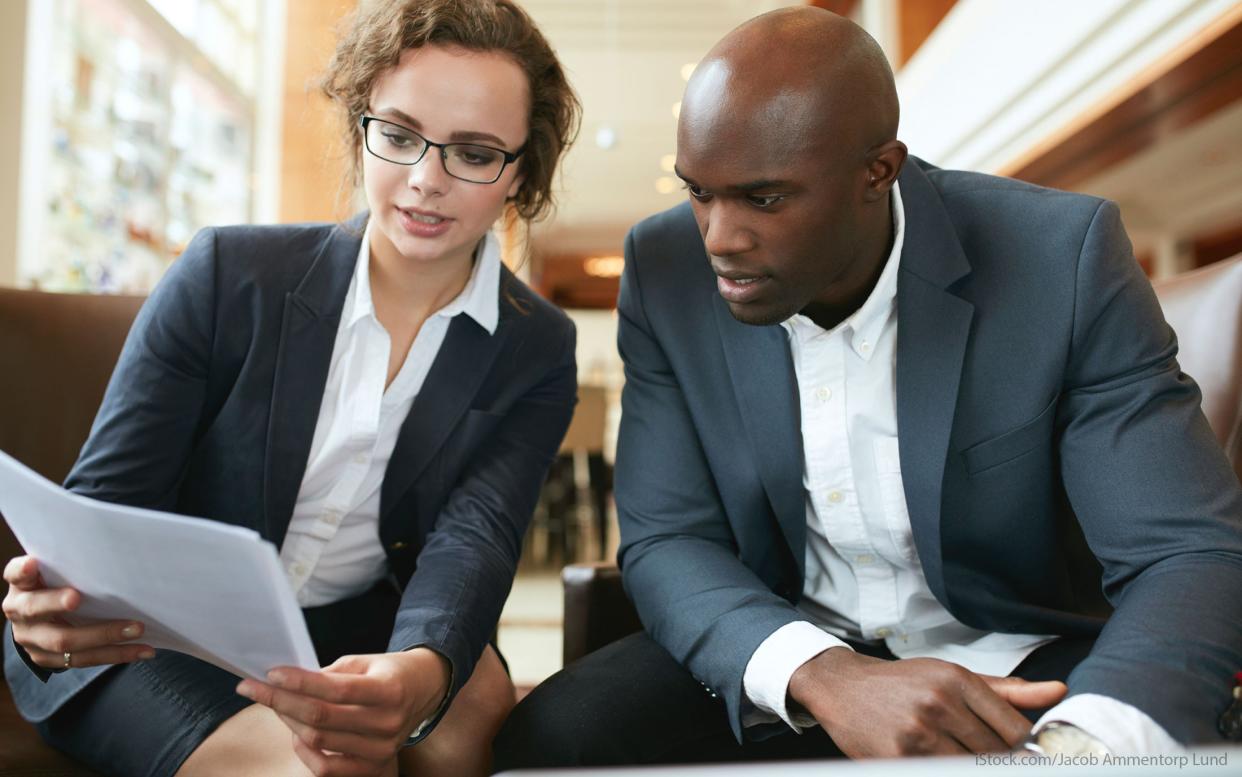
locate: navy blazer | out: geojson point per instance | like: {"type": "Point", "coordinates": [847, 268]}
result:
{"type": "Point", "coordinates": [213, 405]}
{"type": "Point", "coordinates": [1059, 474]}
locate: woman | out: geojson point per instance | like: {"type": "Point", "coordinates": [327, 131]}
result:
{"type": "Point", "coordinates": [380, 399]}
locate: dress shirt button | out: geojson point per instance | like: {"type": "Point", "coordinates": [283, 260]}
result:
{"type": "Point", "coordinates": [298, 569]}
{"type": "Point", "coordinates": [360, 458]}
{"type": "Point", "coordinates": [332, 517]}
{"type": "Point", "coordinates": [824, 394]}
{"type": "Point", "coordinates": [883, 633]}
{"type": "Point", "coordinates": [835, 497]}
{"type": "Point", "coordinates": [864, 559]}
{"type": "Point", "coordinates": [866, 346]}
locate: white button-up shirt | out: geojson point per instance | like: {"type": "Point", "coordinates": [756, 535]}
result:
{"type": "Point", "coordinates": [863, 576]}
{"type": "Point", "coordinates": [332, 550]}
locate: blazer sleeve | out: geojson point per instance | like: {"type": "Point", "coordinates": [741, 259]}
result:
{"type": "Point", "coordinates": [678, 555]}
{"type": "Point", "coordinates": [465, 569]}
{"type": "Point", "coordinates": [141, 440]}
{"type": "Point", "coordinates": [1157, 501]}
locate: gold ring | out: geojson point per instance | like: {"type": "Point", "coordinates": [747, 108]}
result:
{"type": "Point", "coordinates": [68, 659]}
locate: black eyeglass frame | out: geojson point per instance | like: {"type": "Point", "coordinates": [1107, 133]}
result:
{"type": "Point", "coordinates": [509, 156]}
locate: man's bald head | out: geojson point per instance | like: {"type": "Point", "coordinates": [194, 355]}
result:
{"type": "Point", "coordinates": [804, 74]}
{"type": "Point", "coordinates": [787, 144]}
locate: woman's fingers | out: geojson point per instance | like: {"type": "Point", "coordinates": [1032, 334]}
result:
{"type": "Point", "coordinates": [100, 656]}
{"type": "Point", "coordinates": [23, 572]}
{"type": "Point", "coordinates": [41, 605]}
{"type": "Point", "coordinates": [58, 638]}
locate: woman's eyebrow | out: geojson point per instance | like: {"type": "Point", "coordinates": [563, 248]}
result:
{"type": "Point", "coordinates": [459, 136]}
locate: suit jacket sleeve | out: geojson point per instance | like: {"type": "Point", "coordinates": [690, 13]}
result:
{"type": "Point", "coordinates": [1157, 502]}
{"type": "Point", "coordinates": [140, 441]}
{"type": "Point", "coordinates": [466, 566]}
{"type": "Point", "coordinates": [678, 555]}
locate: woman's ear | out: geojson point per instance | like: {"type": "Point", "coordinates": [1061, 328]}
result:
{"type": "Point", "coordinates": [514, 187]}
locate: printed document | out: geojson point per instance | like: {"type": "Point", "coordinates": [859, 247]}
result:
{"type": "Point", "coordinates": [214, 591]}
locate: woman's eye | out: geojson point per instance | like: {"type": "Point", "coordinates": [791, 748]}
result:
{"type": "Point", "coordinates": [478, 158]}
{"type": "Point", "coordinates": [398, 140]}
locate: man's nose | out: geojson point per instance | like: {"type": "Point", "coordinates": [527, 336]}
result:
{"type": "Point", "coordinates": [725, 233]}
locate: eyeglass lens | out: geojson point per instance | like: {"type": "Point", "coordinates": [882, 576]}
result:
{"type": "Point", "coordinates": [468, 162]}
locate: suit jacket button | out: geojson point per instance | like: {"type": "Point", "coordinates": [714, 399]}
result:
{"type": "Point", "coordinates": [398, 545]}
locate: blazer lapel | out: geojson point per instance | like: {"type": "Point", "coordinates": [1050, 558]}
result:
{"type": "Point", "coordinates": [763, 380]}
{"type": "Point", "coordinates": [458, 371]}
{"type": "Point", "coordinates": [303, 356]}
{"type": "Point", "coordinates": [932, 332]}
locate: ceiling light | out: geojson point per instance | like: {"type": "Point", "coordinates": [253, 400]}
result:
{"type": "Point", "coordinates": [668, 162]}
{"type": "Point", "coordinates": [606, 137]}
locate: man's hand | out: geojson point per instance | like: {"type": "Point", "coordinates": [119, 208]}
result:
{"type": "Point", "coordinates": [38, 617]}
{"type": "Point", "coordinates": [352, 717]}
{"type": "Point", "coordinates": [921, 706]}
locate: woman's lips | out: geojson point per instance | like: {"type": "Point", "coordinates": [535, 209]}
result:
{"type": "Point", "coordinates": [423, 224]}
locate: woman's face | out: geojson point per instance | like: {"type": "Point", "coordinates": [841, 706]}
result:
{"type": "Point", "coordinates": [419, 213]}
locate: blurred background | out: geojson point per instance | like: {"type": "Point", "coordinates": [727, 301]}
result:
{"type": "Point", "coordinates": [130, 124]}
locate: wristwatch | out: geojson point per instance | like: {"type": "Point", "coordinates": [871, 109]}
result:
{"type": "Point", "coordinates": [1060, 737]}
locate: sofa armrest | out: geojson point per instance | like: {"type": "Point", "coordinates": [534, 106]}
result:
{"type": "Point", "coordinates": [597, 611]}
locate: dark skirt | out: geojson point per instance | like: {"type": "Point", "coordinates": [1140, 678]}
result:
{"type": "Point", "coordinates": [146, 718]}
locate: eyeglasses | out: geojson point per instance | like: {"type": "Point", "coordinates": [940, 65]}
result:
{"type": "Point", "coordinates": [464, 161]}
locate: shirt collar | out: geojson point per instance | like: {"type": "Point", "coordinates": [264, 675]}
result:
{"type": "Point", "coordinates": [865, 324]}
{"type": "Point", "coordinates": [480, 299]}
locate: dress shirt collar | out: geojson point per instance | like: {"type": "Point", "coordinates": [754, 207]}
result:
{"type": "Point", "coordinates": [480, 299]}
{"type": "Point", "coordinates": [865, 324]}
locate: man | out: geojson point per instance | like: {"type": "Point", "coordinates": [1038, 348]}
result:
{"type": "Point", "coordinates": [901, 449]}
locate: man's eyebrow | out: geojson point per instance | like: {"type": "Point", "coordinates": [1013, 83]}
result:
{"type": "Point", "coordinates": [460, 136]}
{"type": "Point", "coordinates": [749, 186]}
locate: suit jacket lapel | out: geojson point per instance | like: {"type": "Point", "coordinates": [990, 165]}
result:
{"type": "Point", "coordinates": [766, 387]}
{"type": "Point", "coordinates": [458, 371]}
{"type": "Point", "coordinates": [303, 356]}
{"type": "Point", "coordinates": [933, 328]}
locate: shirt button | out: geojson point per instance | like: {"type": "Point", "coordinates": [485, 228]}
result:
{"type": "Point", "coordinates": [332, 517]}
{"type": "Point", "coordinates": [866, 346]}
{"type": "Point", "coordinates": [835, 497]}
{"type": "Point", "coordinates": [360, 458]}
{"type": "Point", "coordinates": [865, 558]}
{"type": "Point", "coordinates": [883, 633]}
{"type": "Point", "coordinates": [824, 394]}
{"type": "Point", "coordinates": [298, 570]}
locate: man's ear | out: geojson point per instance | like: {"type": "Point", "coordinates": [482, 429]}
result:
{"type": "Point", "coordinates": [884, 163]}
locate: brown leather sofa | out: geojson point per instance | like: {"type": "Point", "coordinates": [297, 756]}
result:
{"type": "Point", "coordinates": [1204, 307]}
{"type": "Point", "coordinates": [57, 352]}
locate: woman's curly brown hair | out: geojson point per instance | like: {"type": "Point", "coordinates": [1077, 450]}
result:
{"type": "Point", "coordinates": [378, 34]}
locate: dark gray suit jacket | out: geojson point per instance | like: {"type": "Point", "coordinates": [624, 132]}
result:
{"type": "Point", "coordinates": [1059, 474]}
{"type": "Point", "coordinates": [213, 404]}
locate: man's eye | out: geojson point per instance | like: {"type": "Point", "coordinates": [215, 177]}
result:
{"type": "Point", "coordinates": [764, 200]}
{"type": "Point", "coordinates": [696, 192]}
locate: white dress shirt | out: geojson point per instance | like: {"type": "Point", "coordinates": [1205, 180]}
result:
{"type": "Point", "coordinates": [863, 578]}
{"type": "Point", "coordinates": [332, 550]}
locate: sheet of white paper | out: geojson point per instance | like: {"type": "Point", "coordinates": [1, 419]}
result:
{"type": "Point", "coordinates": [201, 587]}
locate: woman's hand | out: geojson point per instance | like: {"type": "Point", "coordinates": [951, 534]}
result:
{"type": "Point", "coordinates": [38, 617]}
{"type": "Point", "coordinates": [352, 717]}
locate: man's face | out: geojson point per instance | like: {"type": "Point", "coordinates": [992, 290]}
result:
{"type": "Point", "coordinates": [776, 200]}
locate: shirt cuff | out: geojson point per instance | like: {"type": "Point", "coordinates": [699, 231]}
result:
{"type": "Point", "coordinates": [1122, 728]}
{"type": "Point", "coordinates": [772, 665]}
